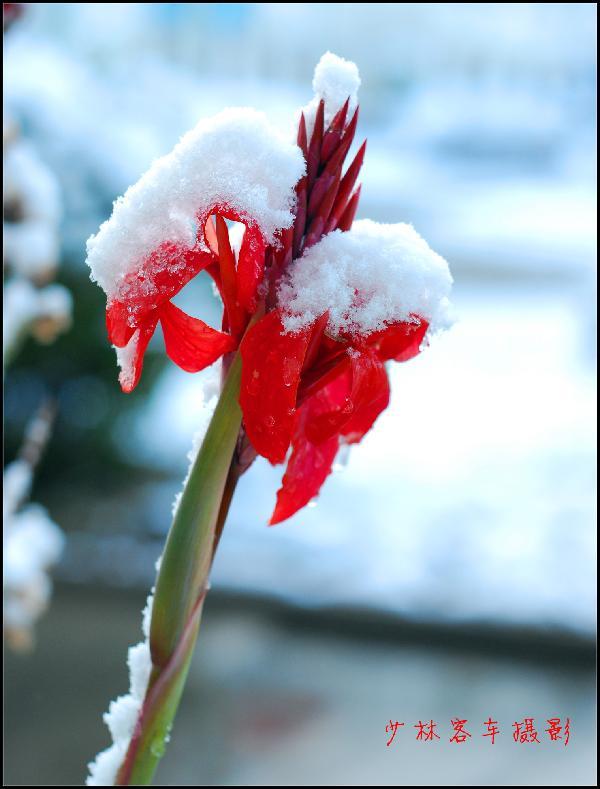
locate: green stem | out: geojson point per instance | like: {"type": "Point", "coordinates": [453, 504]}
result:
{"type": "Point", "coordinates": [182, 582]}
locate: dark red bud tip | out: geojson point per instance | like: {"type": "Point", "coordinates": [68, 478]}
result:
{"type": "Point", "coordinates": [314, 149]}
{"type": "Point", "coordinates": [302, 141]}
{"type": "Point", "coordinates": [347, 217]}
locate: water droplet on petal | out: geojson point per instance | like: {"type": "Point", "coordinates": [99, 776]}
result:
{"type": "Point", "coordinates": [291, 368]}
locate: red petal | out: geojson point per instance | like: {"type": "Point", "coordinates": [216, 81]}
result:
{"type": "Point", "coordinates": [251, 266]}
{"type": "Point", "coordinates": [229, 289]}
{"type": "Point", "coordinates": [251, 261]}
{"type": "Point", "coordinates": [375, 399]}
{"type": "Point", "coordinates": [271, 365]}
{"type": "Point", "coordinates": [210, 235]}
{"type": "Point", "coordinates": [191, 343]}
{"type": "Point", "coordinates": [132, 359]}
{"type": "Point", "coordinates": [117, 325]}
{"type": "Point", "coordinates": [400, 341]}
{"type": "Point", "coordinates": [307, 469]}
{"type": "Point", "coordinates": [351, 402]}
{"type": "Point", "coordinates": [162, 275]}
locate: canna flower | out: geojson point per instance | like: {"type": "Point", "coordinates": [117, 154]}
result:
{"type": "Point", "coordinates": [316, 303]}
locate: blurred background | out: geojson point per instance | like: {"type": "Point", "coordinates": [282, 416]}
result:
{"type": "Point", "coordinates": [448, 568]}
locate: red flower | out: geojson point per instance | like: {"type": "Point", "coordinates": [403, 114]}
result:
{"type": "Point", "coordinates": [324, 202]}
{"type": "Point", "coordinates": [303, 390]}
{"type": "Point", "coordinates": [145, 298]}
{"type": "Point", "coordinates": [312, 392]}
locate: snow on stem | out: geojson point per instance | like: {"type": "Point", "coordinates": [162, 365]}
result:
{"type": "Point", "coordinates": [181, 587]}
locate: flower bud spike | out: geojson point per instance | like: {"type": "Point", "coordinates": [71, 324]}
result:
{"type": "Point", "coordinates": [314, 149]}
{"type": "Point", "coordinates": [317, 226]}
{"type": "Point", "coordinates": [300, 223]}
{"type": "Point", "coordinates": [334, 133]}
{"type": "Point", "coordinates": [346, 186]}
{"type": "Point", "coordinates": [332, 170]}
{"type": "Point", "coordinates": [347, 217]}
{"type": "Point", "coordinates": [302, 140]}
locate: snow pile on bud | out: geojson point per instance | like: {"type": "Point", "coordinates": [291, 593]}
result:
{"type": "Point", "coordinates": [334, 81]}
{"type": "Point", "coordinates": [235, 158]}
{"type": "Point", "coordinates": [367, 278]}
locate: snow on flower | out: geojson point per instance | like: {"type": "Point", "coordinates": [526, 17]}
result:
{"type": "Point", "coordinates": [236, 159]}
{"type": "Point", "coordinates": [316, 303]}
{"type": "Point", "coordinates": [366, 279]}
{"type": "Point", "coordinates": [161, 234]}
{"type": "Point", "coordinates": [335, 80]}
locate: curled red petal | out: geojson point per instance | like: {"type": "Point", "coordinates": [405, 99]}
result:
{"type": "Point", "coordinates": [307, 469]}
{"type": "Point", "coordinates": [399, 341]}
{"type": "Point", "coordinates": [189, 342]}
{"type": "Point", "coordinates": [117, 324]}
{"type": "Point", "coordinates": [271, 366]}
{"type": "Point", "coordinates": [372, 404]}
{"type": "Point", "coordinates": [229, 288]}
{"type": "Point", "coordinates": [251, 266]}
{"type": "Point", "coordinates": [251, 259]}
{"type": "Point", "coordinates": [331, 406]}
{"type": "Point", "coordinates": [162, 275]}
{"type": "Point", "coordinates": [352, 401]}
{"type": "Point", "coordinates": [131, 357]}
{"type": "Point", "coordinates": [210, 235]}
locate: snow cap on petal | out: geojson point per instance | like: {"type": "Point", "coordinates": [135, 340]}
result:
{"type": "Point", "coordinates": [236, 158]}
{"type": "Point", "coordinates": [368, 278]}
